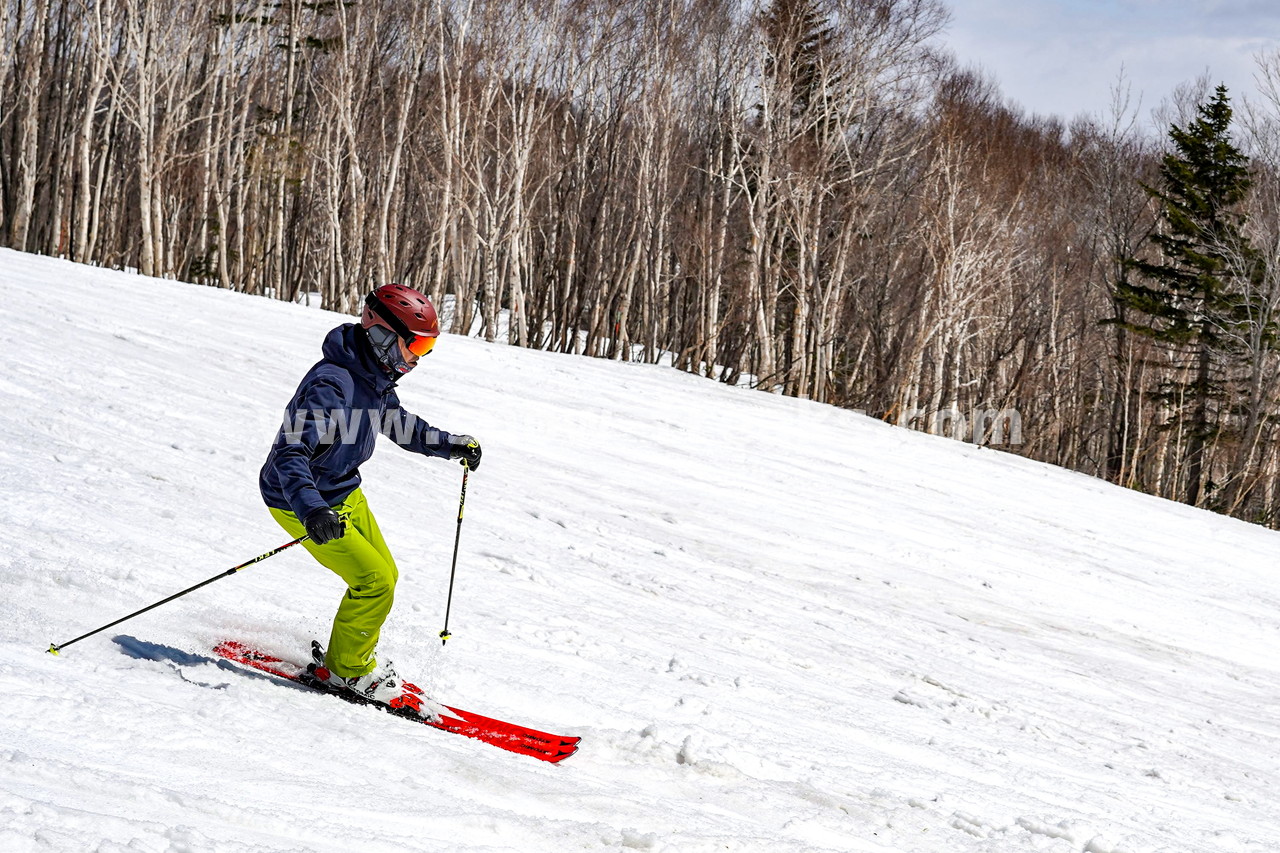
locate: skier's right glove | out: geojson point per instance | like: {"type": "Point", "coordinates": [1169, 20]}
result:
{"type": "Point", "coordinates": [324, 525]}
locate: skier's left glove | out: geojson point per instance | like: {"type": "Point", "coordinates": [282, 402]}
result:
{"type": "Point", "coordinates": [467, 449]}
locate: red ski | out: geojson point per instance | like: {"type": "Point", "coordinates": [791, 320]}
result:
{"type": "Point", "coordinates": [508, 736]}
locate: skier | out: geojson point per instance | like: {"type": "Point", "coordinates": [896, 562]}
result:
{"type": "Point", "coordinates": [311, 479]}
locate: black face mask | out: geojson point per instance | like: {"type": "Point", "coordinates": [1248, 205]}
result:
{"type": "Point", "coordinates": [386, 349]}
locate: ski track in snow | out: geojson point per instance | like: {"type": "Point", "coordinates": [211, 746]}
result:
{"type": "Point", "coordinates": [778, 626]}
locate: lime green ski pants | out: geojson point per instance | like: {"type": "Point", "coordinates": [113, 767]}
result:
{"type": "Point", "coordinates": [361, 559]}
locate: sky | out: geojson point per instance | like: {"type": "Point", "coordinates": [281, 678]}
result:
{"type": "Point", "coordinates": [1064, 57]}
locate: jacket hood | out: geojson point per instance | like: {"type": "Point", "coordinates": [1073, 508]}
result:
{"type": "Point", "coordinates": [346, 346]}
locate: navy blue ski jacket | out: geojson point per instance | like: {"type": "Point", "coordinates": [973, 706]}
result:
{"type": "Point", "coordinates": [331, 424]}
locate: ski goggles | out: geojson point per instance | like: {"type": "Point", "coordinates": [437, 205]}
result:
{"type": "Point", "coordinates": [417, 344]}
{"type": "Point", "coordinates": [384, 339]}
{"type": "Point", "coordinates": [420, 344]}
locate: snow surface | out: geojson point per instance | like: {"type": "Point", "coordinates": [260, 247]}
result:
{"type": "Point", "coordinates": [778, 626]}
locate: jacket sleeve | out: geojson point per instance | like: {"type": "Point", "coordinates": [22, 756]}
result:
{"type": "Point", "coordinates": [305, 436]}
{"type": "Point", "coordinates": [412, 432]}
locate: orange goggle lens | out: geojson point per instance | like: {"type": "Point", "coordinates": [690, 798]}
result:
{"type": "Point", "coordinates": [420, 345]}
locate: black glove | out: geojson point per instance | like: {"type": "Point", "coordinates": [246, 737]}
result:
{"type": "Point", "coordinates": [324, 525]}
{"type": "Point", "coordinates": [467, 449]}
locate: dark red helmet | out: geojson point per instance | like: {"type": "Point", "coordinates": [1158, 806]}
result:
{"type": "Point", "coordinates": [407, 305]}
{"type": "Point", "coordinates": [395, 312]}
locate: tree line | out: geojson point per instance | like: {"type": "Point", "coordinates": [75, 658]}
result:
{"type": "Point", "coordinates": [806, 196]}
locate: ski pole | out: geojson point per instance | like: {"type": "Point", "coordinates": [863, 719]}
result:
{"type": "Point", "coordinates": [462, 502]}
{"type": "Point", "coordinates": [57, 647]}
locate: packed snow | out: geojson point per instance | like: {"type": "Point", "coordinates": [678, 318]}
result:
{"type": "Point", "coordinates": [777, 626]}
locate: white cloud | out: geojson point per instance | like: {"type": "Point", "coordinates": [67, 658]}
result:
{"type": "Point", "coordinates": [1061, 57]}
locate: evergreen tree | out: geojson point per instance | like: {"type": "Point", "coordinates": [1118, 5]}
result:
{"type": "Point", "coordinates": [797, 35]}
{"type": "Point", "coordinates": [1194, 294]}
{"type": "Point", "coordinates": [803, 114]}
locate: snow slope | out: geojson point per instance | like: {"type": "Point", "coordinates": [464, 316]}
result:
{"type": "Point", "coordinates": [778, 626]}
